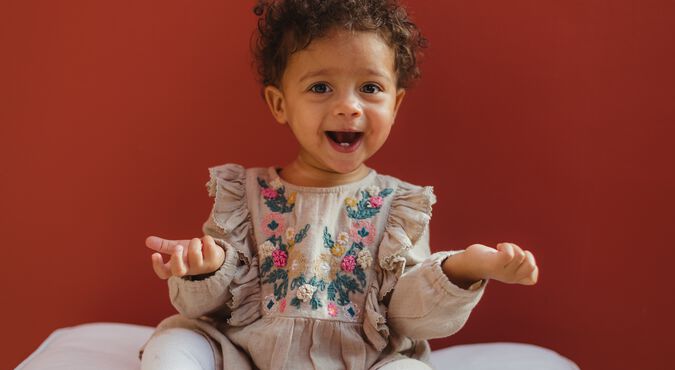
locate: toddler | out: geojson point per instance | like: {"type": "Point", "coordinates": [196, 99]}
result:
{"type": "Point", "coordinates": [322, 263]}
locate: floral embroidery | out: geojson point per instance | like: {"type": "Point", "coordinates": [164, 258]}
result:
{"type": "Point", "coordinates": [351, 202]}
{"type": "Point", "coordinates": [276, 183]}
{"type": "Point", "coordinates": [364, 259]}
{"type": "Point", "coordinates": [298, 263]}
{"type": "Point", "coordinates": [305, 292]}
{"type": "Point", "coordinates": [290, 233]}
{"type": "Point", "coordinates": [338, 273]}
{"type": "Point", "coordinates": [370, 204]}
{"type": "Point", "coordinates": [362, 232]}
{"type": "Point", "coordinates": [373, 190]}
{"type": "Point", "coordinates": [351, 311]}
{"type": "Point", "coordinates": [274, 255]}
{"type": "Point", "coordinates": [343, 238]}
{"type": "Point", "coordinates": [375, 202]}
{"type": "Point", "coordinates": [348, 263]}
{"type": "Point", "coordinates": [332, 309]}
{"type": "Point", "coordinates": [326, 266]}
{"type": "Point", "coordinates": [351, 278]}
{"type": "Point", "coordinates": [291, 199]}
{"type": "Point", "coordinates": [266, 249]}
{"type": "Point", "coordinates": [271, 305]}
{"type": "Point", "coordinates": [338, 250]}
{"type": "Point", "coordinates": [279, 257]}
{"type": "Point", "coordinates": [269, 193]}
{"type": "Point", "coordinates": [273, 225]}
{"type": "Point", "coordinates": [275, 196]}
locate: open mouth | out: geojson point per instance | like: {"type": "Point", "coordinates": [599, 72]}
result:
{"type": "Point", "coordinates": [345, 139]}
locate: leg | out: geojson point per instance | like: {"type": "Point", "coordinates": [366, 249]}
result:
{"type": "Point", "coordinates": [406, 364]}
{"type": "Point", "coordinates": [178, 349]}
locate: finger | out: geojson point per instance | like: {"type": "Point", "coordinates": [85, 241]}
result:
{"type": "Point", "coordinates": [528, 270]}
{"type": "Point", "coordinates": [195, 257]}
{"type": "Point", "coordinates": [178, 267]}
{"type": "Point", "coordinates": [518, 257]}
{"type": "Point", "coordinates": [213, 253]}
{"type": "Point", "coordinates": [162, 245]}
{"type": "Point", "coordinates": [507, 253]}
{"type": "Point", "coordinates": [161, 269]}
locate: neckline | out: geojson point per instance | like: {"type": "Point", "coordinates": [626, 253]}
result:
{"type": "Point", "coordinates": [272, 171]}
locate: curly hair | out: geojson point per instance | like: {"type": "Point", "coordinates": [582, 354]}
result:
{"type": "Point", "coordinates": [288, 26]}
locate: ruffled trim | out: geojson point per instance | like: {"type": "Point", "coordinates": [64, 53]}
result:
{"type": "Point", "coordinates": [227, 184]}
{"type": "Point", "coordinates": [375, 324]}
{"type": "Point", "coordinates": [246, 296]}
{"type": "Point", "coordinates": [408, 219]}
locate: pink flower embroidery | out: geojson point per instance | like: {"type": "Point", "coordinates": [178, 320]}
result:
{"type": "Point", "coordinates": [348, 263]}
{"type": "Point", "coordinates": [282, 305]}
{"type": "Point", "coordinates": [362, 231]}
{"type": "Point", "coordinates": [375, 202]}
{"type": "Point", "coordinates": [269, 193]}
{"type": "Point", "coordinates": [332, 309]}
{"type": "Point", "coordinates": [273, 224]}
{"type": "Point", "coordinates": [280, 257]}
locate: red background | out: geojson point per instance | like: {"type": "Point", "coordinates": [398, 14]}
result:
{"type": "Point", "coordinates": [544, 123]}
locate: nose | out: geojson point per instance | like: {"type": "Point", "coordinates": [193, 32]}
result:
{"type": "Point", "coordinates": [348, 106]}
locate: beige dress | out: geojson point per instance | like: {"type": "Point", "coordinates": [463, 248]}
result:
{"type": "Point", "coordinates": [332, 278]}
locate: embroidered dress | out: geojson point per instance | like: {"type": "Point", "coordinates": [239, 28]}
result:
{"type": "Point", "coordinates": [337, 278]}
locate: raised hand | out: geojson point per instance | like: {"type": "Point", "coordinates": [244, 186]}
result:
{"type": "Point", "coordinates": [508, 263]}
{"type": "Point", "coordinates": [188, 257]}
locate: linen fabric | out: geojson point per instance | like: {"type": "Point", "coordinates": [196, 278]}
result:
{"type": "Point", "coordinates": [319, 277]}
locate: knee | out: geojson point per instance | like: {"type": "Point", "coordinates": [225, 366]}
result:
{"type": "Point", "coordinates": [178, 348]}
{"type": "Point", "coordinates": [406, 364]}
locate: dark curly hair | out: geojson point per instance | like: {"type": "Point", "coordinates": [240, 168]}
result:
{"type": "Point", "coordinates": [287, 26]}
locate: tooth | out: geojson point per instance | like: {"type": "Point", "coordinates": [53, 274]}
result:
{"type": "Point", "coordinates": [344, 144]}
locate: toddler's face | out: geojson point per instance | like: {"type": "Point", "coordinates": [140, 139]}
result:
{"type": "Point", "coordinates": [339, 97]}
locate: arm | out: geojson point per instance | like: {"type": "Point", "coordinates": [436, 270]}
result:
{"type": "Point", "coordinates": [199, 275]}
{"type": "Point", "coordinates": [447, 285]}
{"type": "Point", "coordinates": [508, 263]}
{"type": "Point", "coordinates": [425, 304]}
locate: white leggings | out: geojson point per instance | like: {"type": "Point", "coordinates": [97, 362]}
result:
{"type": "Point", "coordinates": [178, 349]}
{"type": "Point", "coordinates": [185, 349]}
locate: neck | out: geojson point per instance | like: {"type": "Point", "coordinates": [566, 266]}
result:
{"type": "Point", "coordinates": [302, 173]}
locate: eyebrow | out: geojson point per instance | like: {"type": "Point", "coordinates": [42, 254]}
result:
{"type": "Point", "coordinates": [326, 71]}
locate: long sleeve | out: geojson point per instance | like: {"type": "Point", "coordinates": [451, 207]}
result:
{"type": "Point", "coordinates": [232, 291]}
{"type": "Point", "coordinates": [413, 297]}
{"type": "Point", "coordinates": [425, 304]}
{"type": "Point", "coordinates": [195, 298]}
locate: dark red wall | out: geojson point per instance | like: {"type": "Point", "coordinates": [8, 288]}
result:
{"type": "Point", "coordinates": [544, 123]}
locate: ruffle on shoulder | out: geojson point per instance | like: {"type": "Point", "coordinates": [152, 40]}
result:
{"type": "Point", "coordinates": [227, 184]}
{"type": "Point", "coordinates": [407, 222]}
{"type": "Point", "coordinates": [409, 217]}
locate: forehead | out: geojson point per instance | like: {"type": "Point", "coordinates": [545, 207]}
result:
{"type": "Point", "coordinates": [343, 53]}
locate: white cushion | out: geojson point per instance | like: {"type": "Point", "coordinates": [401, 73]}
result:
{"type": "Point", "coordinates": [112, 346]}
{"type": "Point", "coordinates": [499, 356]}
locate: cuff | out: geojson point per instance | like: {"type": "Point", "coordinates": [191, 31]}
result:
{"type": "Point", "coordinates": [442, 280]}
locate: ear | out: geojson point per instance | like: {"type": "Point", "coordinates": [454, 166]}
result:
{"type": "Point", "coordinates": [276, 102]}
{"type": "Point", "coordinates": [399, 98]}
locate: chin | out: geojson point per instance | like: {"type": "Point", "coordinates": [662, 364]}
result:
{"type": "Point", "coordinates": [345, 168]}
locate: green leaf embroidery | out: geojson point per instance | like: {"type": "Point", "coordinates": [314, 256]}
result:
{"type": "Point", "coordinates": [301, 234]}
{"type": "Point", "coordinates": [327, 239]}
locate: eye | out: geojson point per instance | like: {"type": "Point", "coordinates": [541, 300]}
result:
{"type": "Point", "coordinates": [320, 88]}
{"type": "Point", "coordinates": [371, 88]}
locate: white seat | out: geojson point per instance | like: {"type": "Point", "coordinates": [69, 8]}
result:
{"type": "Point", "coordinates": [114, 346]}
